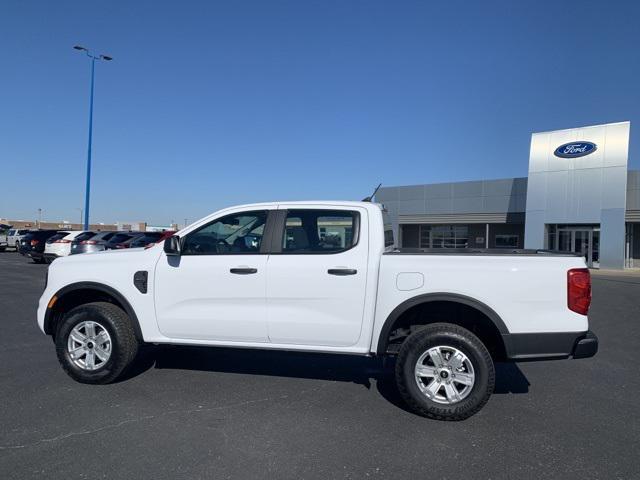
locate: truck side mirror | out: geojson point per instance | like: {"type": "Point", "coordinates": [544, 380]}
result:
{"type": "Point", "coordinates": [172, 246]}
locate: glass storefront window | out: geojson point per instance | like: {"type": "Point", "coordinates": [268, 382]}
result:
{"type": "Point", "coordinates": [444, 236]}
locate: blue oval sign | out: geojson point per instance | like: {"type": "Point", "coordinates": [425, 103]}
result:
{"type": "Point", "coordinates": [575, 149]}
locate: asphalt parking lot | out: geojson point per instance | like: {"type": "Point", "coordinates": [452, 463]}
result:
{"type": "Point", "coordinates": [218, 413]}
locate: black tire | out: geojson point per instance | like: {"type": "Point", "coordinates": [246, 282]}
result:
{"type": "Point", "coordinates": [124, 346]}
{"type": "Point", "coordinates": [445, 334]}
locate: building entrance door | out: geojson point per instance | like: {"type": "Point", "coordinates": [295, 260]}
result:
{"type": "Point", "coordinates": [582, 240]}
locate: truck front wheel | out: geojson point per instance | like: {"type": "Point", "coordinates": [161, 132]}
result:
{"type": "Point", "coordinates": [444, 372]}
{"type": "Point", "coordinates": [95, 343]}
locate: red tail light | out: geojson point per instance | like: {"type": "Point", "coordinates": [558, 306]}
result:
{"type": "Point", "coordinates": [88, 242]}
{"type": "Point", "coordinates": [62, 240]}
{"type": "Point", "coordinates": [579, 290]}
{"type": "Point", "coordinates": [34, 242]}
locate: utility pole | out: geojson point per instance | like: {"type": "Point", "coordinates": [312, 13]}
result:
{"type": "Point", "coordinates": [88, 184]}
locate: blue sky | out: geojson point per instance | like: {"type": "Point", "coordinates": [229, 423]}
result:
{"type": "Point", "coordinates": [213, 103]}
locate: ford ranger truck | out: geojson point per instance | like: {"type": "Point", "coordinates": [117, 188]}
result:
{"type": "Point", "coordinates": [322, 277]}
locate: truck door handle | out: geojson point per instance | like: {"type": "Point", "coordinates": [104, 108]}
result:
{"type": "Point", "coordinates": [342, 271]}
{"type": "Point", "coordinates": [243, 271]}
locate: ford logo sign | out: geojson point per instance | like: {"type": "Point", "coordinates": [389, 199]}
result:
{"type": "Point", "coordinates": [575, 149]}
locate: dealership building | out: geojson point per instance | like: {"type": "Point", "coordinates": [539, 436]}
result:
{"type": "Point", "coordinates": [579, 196]}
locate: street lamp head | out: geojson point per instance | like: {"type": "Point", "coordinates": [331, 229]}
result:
{"type": "Point", "coordinates": [106, 57]}
{"type": "Point", "coordinates": [79, 47]}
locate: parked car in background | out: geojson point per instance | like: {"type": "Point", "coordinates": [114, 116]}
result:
{"type": "Point", "coordinates": [14, 236]}
{"type": "Point", "coordinates": [60, 245]}
{"type": "Point", "coordinates": [4, 229]}
{"type": "Point", "coordinates": [119, 240]}
{"type": "Point", "coordinates": [33, 243]}
{"type": "Point", "coordinates": [94, 243]}
{"type": "Point", "coordinates": [149, 239]}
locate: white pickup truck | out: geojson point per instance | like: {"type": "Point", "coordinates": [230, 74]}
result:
{"type": "Point", "coordinates": [322, 277]}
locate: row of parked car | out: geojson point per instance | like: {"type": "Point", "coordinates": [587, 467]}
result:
{"type": "Point", "coordinates": [44, 246]}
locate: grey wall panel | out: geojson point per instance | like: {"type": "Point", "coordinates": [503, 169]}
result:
{"type": "Point", "coordinates": [497, 204]}
{"type": "Point", "coordinates": [467, 205]}
{"type": "Point", "coordinates": [586, 198]}
{"type": "Point", "coordinates": [633, 180]}
{"type": "Point", "coordinates": [467, 189]}
{"type": "Point", "coordinates": [409, 207]}
{"type": "Point", "coordinates": [556, 197]}
{"type": "Point", "coordinates": [613, 192]}
{"type": "Point", "coordinates": [438, 205]}
{"type": "Point", "coordinates": [538, 154]}
{"type": "Point", "coordinates": [537, 191]}
{"type": "Point", "coordinates": [385, 194]}
{"type": "Point", "coordinates": [617, 145]}
{"type": "Point", "coordinates": [438, 190]}
{"type": "Point", "coordinates": [520, 185]}
{"type": "Point", "coordinates": [499, 188]}
{"type": "Point", "coordinates": [612, 238]}
{"type": "Point", "coordinates": [633, 200]}
{"type": "Point", "coordinates": [411, 192]}
{"type": "Point", "coordinates": [534, 229]}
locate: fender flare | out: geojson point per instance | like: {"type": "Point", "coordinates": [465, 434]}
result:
{"type": "Point", "coordinates": [100, 287]}
{"type": "Point", "coordinates": [436, 297]}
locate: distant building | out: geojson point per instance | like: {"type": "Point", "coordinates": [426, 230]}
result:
{"type": "Point", "coordinates": [578, 197]}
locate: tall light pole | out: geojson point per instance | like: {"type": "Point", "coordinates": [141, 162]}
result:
{"type": "Point", "coordinates": [88, 187]}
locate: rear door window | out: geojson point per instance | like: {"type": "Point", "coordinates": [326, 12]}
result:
{"type": "Point", "coordinates": [319, 231]}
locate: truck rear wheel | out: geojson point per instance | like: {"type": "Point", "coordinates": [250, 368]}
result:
{"type": "Point", "coordinates": [444, 372]}
{"type": "Point", "coordinates": [95, 343]}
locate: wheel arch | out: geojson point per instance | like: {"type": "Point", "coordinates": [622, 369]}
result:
{"type": "Point", "coordinates": [80, 293]}
{"type": "Point", "coordinates": [428, 299]}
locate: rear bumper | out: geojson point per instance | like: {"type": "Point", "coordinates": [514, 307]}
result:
{"type": "Point", "coordinates": [547, 346]}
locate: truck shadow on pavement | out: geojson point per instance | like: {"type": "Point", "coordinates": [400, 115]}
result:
{"type": "Point", "coordinates": [364, 371]}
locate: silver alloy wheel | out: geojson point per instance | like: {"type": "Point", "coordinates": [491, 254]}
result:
{"type": "Point", "coordinates": [89, 345]}
{"type": "Point", "coordinates": [444, 374]}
